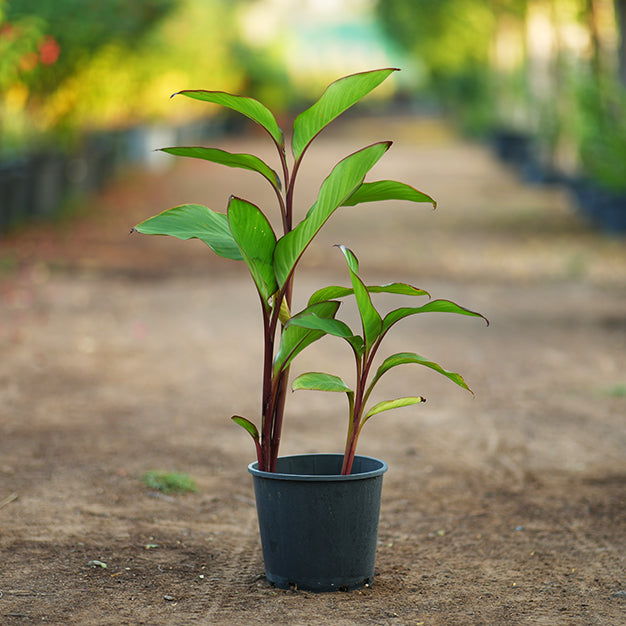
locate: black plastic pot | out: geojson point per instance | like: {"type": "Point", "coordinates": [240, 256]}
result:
{"type": "Point", "coordinates": [318, 528]}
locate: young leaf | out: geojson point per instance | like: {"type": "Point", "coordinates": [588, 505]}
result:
{"type": "Point", "coordinates": [436, 306]}
{"type": "Point", "coordinates": [249, 107]}
{"type": "Point", "coordinates": [345, 177]}
{"type": "Point", "coordinates": [370, 318]}
{"type": "Point", "coordinates": [318, 381]}
{"type": "Point", "coordinates": [334, 292]}
{"type": "Point", "coordinates": [338, 97]}
{"type": "Point", "coordinates": [254, 433]}
{"type": "Point", "coordinates": [404, 358]}
{"type": "Point", "coordinates": [387, 190]}
{"type": "Point", "coordinates": [194, 221]}
{"type": "Point", "coordinates": [294, 339]}
{"type": "Point", "coordinates": [248, 425]}
{"type": "Point", "coordinates": [215, 155]}
{"type": "Point", "coordinates": [387, 405]}
{"type": "Point", "coordinates": [256, 241]}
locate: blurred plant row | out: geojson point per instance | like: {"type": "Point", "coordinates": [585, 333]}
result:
{"type": "Point", "coordinates": [545, 79]}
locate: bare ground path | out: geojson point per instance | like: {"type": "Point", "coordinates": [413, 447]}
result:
{"type": "Point", "coordinates": [122, 354]}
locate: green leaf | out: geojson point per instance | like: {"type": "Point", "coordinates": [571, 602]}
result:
{"type": "Point", "coordinates": [215, 155]}
{"type": "Point", "coordinates": [256, 241]}
{"type": "Point", "coordinates": [330, 293]}
{"type": "Point", "coordinates": [345, 177]}
{"type": "Point", "coordinates": [387, 405]}
{"type": "Point", "coordinates": [247, 425]}
{"type": "Point", "coordinates": [249, 107]}
{"type": "Point", "coordinates": [387, 190]}
{"type": "Point", "coordinates": [294, 339]}
{"type": "Point", "coordinates": [436, 306]}
{"type": "Point", "coordinates": [402, 289]}
{"type": "Point", "coordinates": [351, 260]}
{"type": "Point", "coordinates": [329, 326]}
{"type": "Point", "coordinates": [318, 381]}
{"type": "Point", "coordinates": [333, 292]}
{"type": "Point", "coordinates": [370, 318]}
{"type": "Point", "coordinates": [194, 221]}
{"type": "Point", "coordinates": [338, 97]}
{"type": "Point", "coordinates": [404, 358]}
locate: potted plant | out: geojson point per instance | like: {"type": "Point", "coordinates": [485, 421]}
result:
{"type": "Point", "coordinates": [318, 514]}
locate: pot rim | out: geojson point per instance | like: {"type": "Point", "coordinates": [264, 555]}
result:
{"type": "Point", "coordinates": [379, 471]}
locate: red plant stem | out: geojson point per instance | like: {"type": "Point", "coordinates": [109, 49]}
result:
{"type": "Point", "coordinates": [266, 425]}
{"type": "Point", "coordinates": [360, 399]}
{"type": "Point", "coordinates": [353, 431]}
{"type": "Point", "coordinates": [275, 389]}
{"type": "Point", "coordinates": [279, 412]}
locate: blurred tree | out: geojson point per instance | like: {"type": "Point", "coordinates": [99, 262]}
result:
{"type": "Point", "coordinates": [79, 28]}
{"type": "Point", "coordinates": [98, 63]}
{"type": "Point", "coordinates": [454, 40]}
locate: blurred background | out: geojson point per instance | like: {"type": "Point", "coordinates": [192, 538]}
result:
{"type": "Point", "coordinates": [85, 85]}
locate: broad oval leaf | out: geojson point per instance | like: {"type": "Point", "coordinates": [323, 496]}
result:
{"type": "Point", "coordinates": [345, 177]}
{"type": "Point", "coordinates": [294, 339]}
{"type": "Point", "coordinates": [249, 107]}
{"type": "Point", "coordinates": [319, 381]}
{"type": "Point", "coordinates": [404, 358]}
{"type": "Point", "coordinates": [330, 293]}
{"type": "Point", "coordinates": [329, 326]}
{"type": "Point", "coordinates": [436, 306]}
{"type": "Point", "coordinates": [380, 190]}
{"type": "Point", "coordinates": [387, 405]}
{"type": "Point", "coordinates": [337, 98]}
{"type": "Point", "coordinates": [194, 221]}
{"type": "Point", "coordinates": [256, 241]}
{"type": "Point", "coordinates": [222, 157]}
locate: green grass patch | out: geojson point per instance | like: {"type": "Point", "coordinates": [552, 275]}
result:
{"type": "Point", "coordinates": [617, 391]}
{"type": "Point", "coordinates": [169, 482]}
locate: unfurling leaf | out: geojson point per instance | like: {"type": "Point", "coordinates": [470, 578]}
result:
{"type": "Point", "coordinates": [247, 425]}
{"type": "Point", "coordinates": [387, 405]}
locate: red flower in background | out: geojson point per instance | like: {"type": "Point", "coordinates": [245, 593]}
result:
{"type": "Point", "coordinates": [49, 50]}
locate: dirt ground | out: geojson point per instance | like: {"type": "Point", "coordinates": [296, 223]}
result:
{"type": "Point", "coordinates": [124, 353]}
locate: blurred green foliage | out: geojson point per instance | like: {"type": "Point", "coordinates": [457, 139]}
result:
{"type": "Point", "coordinates": [70, 65]}
{"type": "Point", "coordinates": [549, 68]}
{"type": "Point", "coordinates": [600, 121]}
{"type": "Point", "coordinates": [82, 27]}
